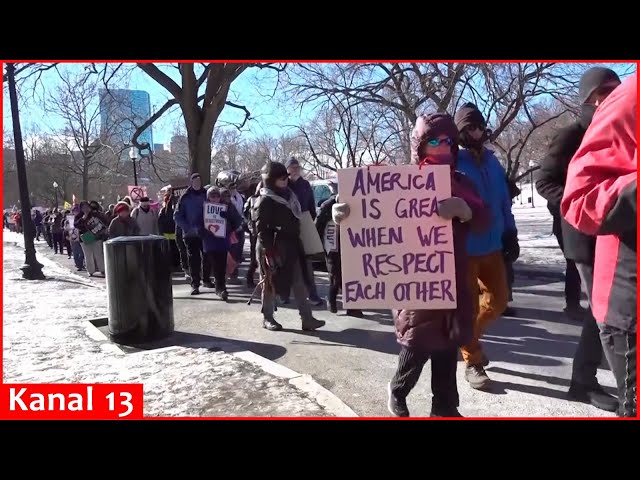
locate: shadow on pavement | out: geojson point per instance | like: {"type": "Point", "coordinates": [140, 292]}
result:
{"type": "Point", "coordinates": [515, 340]}
{"type": "Point", "coordinates": [197, 340]}
{"type": "Point", "coordinates": [523, 313]}
{"type": "Point", "coordinates": [383, 342]}
{"type": "Point", "coordinates": [502, 388]}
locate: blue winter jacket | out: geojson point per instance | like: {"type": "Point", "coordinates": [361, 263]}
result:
{"type": "Point", "coordinates": [211, 243]}
{"type": "Point", "coordinates": [489, 179]}
{"type": "Point", "coordinates": [189, 214]}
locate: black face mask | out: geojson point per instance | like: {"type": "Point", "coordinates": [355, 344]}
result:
{"type": "Point", "coordinates": [471, 143]}
{"type": "Point", "coordinates": [586, 114]}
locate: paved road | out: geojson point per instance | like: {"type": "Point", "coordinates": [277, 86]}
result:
{"type": "Point", "coordinates": [355, 358]}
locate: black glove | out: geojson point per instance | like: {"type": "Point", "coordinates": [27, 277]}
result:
{"type": "Point", "coordinates": [510, 246]}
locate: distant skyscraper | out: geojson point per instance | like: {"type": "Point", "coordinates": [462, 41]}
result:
{"type": "Point", "coordinates": [121, 112]}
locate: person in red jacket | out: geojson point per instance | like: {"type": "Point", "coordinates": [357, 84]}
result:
{"type": "Point", "coordinates": [600, 199]}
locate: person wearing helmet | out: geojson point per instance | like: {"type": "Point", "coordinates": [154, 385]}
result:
{"type": "Point", "coordinates": [228, 180]}
{"type": "Point", "coordinates": [280, 250]}
{"type": "Point", "coordinates": [215, 248]}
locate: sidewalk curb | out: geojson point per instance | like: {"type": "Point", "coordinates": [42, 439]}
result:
{"type": "Point", "coordinates": [302, 382]}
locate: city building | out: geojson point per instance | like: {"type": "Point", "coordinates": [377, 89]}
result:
{"type": "Point", "coordinates": [121, 113]}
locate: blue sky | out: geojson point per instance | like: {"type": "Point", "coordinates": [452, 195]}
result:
{"type": "Point", "coordinates": [251, 89]}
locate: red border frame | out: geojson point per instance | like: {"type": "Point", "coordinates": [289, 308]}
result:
{"type": "Point", "coordinates": [313, 61]}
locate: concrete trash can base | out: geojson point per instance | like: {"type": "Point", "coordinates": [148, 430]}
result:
{"type": "Point", "coordinates": [139, 289]}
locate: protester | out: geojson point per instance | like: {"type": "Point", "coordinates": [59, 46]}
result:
{"type": "Point", "coordinates": [302, 188]}
{"type": "Point", "coordinates": [600, 200]}
{"type": "Point", "coordinates": [93, 228]}
{"type": "Point", "coordinates": [280, 251]}
{"type": "Point", "coordinates": [123, 225]}
{"type": "Point", "coordinates": [76, 246]}
{"type": "Point", "coordinates": [229, 180]}
{"type": "Point", "coordinates": [37, 222]}
{"type": "Point", "coordinates": [46, 224]}
{"type": "Point", "coordinates": [487, 271]}
{"type": "Point", "coordinates": [437, 334]}
{"type": "Point", "coordinates": [579, 249]}
{"type": "Point", "coordinates": [66, 231]}
{"type": "Point", "coordinates": [595, 85]}
{"type": "Point", "coordinates": [56, 220]}
{"type": "Point", "coordinates": [514, 191]}
{"type": "Point", "coordinates": [217, 249]}
{"type": "Point", "coordinates": [250, 216]}
{"type": "Point", "coordinates": [145, 217]}
{"type": "Point", "coordinates": [167, 228]}
{"type": "Point", "coordinates": [334, 265]}
{"type": "Point", "coordinates": [189, 217]}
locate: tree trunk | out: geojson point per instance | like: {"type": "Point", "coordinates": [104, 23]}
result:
{"type": "Point", "coordinates": [85, 183]}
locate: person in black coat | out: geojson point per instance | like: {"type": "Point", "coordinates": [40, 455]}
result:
{"type": "Point", "coordinates": [511, 251]}
{"type": "Point", "coordinates": [334, 265]}
{"type": "Point", "coordinates": [579, 249]}
{"type": "Point", "coordinates": [280, 251]}
{"type": "Point", "coordinates": [167, 228]}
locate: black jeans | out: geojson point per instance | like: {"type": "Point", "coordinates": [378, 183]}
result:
{"type": "Point", "coordinates": [198, 262]}
{"type": "Point", "coordinates": [218, 263]}
{"type": "Point", "coordinates": [443, 375]}
{"type": "Point", "coordinates": [57, 242]}
{"type": "Point", "coordinates": [588, 355]}
{"type": "Point", "coordinates": [572, 289]}
{"type": "Point", "coordinates": [620, 348]}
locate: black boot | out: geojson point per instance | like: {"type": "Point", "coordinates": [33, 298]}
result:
{"type": "Point", "coordinates": [312, 324]}
{"type": "Point", "coordinates": [271, 324]}
{"type": "Point", "coordinates": [396, 405]}
{"type": "Point", "coordinates": [333, 305]}
{"type": "Point", "coordinates": [595, 396]}
{"type": "Point", "coordinates": [448, 412]}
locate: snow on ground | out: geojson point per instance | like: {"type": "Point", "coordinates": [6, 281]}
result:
{"type": "Point", "coordinates": [538, 246]}
{"type": "Point", "coordinates": [45, 340]}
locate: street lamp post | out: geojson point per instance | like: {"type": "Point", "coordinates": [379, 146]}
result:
{"type": "Point", "coordinates": [531, 166]}
{"type": "Point", "coordinates": [133, 155]}
{"type": "Point", "coordinates": [32, 269]}
{"type": "Point", "coordinates": [55, 192]}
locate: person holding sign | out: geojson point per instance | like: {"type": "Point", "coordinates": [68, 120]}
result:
{"type": "Point", "coordinates": [436, 334]}
{"type": "Point", "coordinates": [280, 250]}
{"type": "Point", "coordinates": [221, 219]}
{"type": "Point", "coordinates": [488, 275]}
{"type": "Point", "coordinates": [330, 234]}
{"type": "Point", "coordinates": [93, 228]}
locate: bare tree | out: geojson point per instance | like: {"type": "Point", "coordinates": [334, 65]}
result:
{"type": "Point", "coordinates": [200, 110]}
{"type": "Point", "coordinates": [75, 102]}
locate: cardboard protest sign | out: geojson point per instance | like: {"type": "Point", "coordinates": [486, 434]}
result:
{"type": "Point", "coordinates": [331, 237]}
{"type": "Point", "coordinates": [137, 192]}
{"type": "Point", "coordinates": [70, 222]}
{"type": "Point", "coordinates": [396, 251]}
{"type": "Point", "coordinates": [213, 221]}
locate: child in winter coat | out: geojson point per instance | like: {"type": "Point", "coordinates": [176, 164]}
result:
{"type": "Point", "coordinates": [437, 334]}
{"type": "Point", "coordinates": [217, 248]}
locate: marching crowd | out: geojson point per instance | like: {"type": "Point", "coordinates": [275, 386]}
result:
{"type": "Point", "coordinates": [588, 178]}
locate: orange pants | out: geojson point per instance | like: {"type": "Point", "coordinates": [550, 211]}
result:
{"type": "Point", "coordinates": [488, 277]}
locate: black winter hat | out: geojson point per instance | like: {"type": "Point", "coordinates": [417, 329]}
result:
{"type": "Point", "coordinates": [273, 171]}
{"type": "Point", "coordinates": [467, 115]}
{"type": "Point", "coordinates": [593, 79]}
